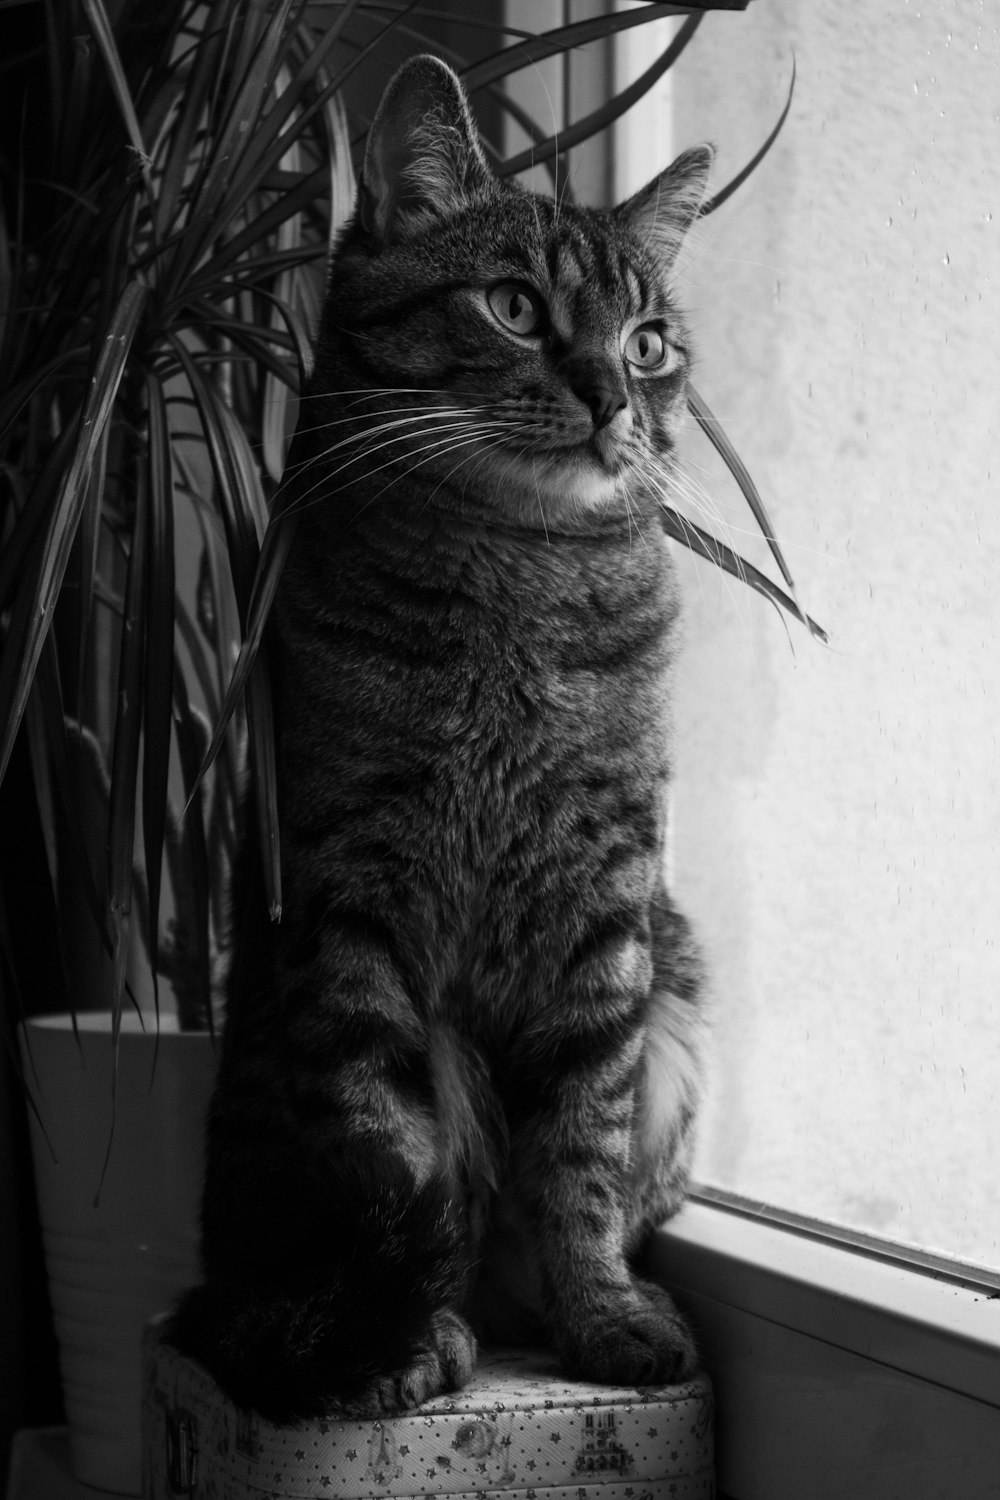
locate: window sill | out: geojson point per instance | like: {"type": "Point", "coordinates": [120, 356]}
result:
{"type": "Point", "coordinates": [838, 1373]}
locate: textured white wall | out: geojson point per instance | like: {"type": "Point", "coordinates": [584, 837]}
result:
{"type": "Point", "coordinates": [838, 811]}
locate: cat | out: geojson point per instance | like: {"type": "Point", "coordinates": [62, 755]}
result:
{"type": "Point", "coordinates": [458, 1080]}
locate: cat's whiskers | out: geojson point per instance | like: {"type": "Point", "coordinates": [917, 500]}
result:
{"type": "Point", "coordinates": [672, 484]}
{"type": "Point", "coordinates": [634, 517]}
{"type": "Point", "coordinates": [401, 416]}
{"type": "Point", "coordinates": [358, 439]}
{"type": "Point", "coordinates": [541, 507]}
{"type": "Point", "coordinates": [687, 488]}
{"type": "Point", "coordinates": [677, 484]}
{"type": "Point", "coordinates": [694, 494]}
{"type": "Point", "coordinates": [482, 453]}
{"type": "Point", "coordinates": [363, 391]}
{"type": "Point", "coordinates": [788, 543]}
{"type": "Point", "coordinates": [412, 411]}
{"type": "Point", "coordinates": [494, 430]}
{"type": "Point", "coordinates": [479, 459]}
{"type": "Point", "coordinates": [400, 428]}
{"type": "Point", "coordinates": [702, 501]}
{"type": "Point", "coordinates": [445, 442]}
{"type": "Point", "coordinates": [487, 454]}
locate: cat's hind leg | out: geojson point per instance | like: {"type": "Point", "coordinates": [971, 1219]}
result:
{"type": "Point", "coordinates": [335, 1246]}
{"type": "Point", "coordinates": [572, 1108]}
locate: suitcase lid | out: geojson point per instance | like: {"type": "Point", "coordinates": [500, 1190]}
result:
{"type": "Point", "coordinates": [518, 1424]}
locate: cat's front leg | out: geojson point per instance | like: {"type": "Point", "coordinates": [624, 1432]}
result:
{"type": "Point", "coordinates": [575, 1103]}
{"type": "Point", "coordinates": [335, 1236]}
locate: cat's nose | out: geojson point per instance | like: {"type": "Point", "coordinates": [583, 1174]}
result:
{"type": "Point", "coordinates": [599, 386]}
{"type": "Point", "coordinates": [603, 403]}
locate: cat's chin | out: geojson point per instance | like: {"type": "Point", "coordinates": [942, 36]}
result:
{"type": "Point", "coordinates": [572, 480]}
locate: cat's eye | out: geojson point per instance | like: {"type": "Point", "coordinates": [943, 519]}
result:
{"type": "Point", "coordinates": [646, 347]}
{"type": "Point", "coordinates": [517, 307]}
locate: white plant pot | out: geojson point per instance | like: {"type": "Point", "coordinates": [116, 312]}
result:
{"type": "Point", "coordinates": [115, 1262]}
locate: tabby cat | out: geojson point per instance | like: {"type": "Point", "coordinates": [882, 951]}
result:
{"type": "Point", "coordinates": [458, 1079]}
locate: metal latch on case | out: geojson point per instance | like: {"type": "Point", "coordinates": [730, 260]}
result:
{"type": "Point", "coordinates": [182, 1452]}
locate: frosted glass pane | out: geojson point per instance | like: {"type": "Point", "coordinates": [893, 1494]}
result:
{"type": "Point", "coordinates": [837, 811]}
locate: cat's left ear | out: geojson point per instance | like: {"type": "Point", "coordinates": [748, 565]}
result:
{"type": "Point", "coordinates": [663, 211]}
{"type": "Point", "coordinates": [423, 159]}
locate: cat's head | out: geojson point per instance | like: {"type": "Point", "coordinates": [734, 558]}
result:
{"type": "Point", "coordinates": [527, 350]}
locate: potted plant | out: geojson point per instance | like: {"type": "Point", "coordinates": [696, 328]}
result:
{"type": "Point", "coordinates": [171, 178]}
{"type": "Point", "coordinates": [166, 211]}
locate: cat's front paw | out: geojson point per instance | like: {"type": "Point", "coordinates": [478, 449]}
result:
{"type": "Point", "coordinates": [443, 1363]}
{"type": "Point", "coordinates": [639, 1339]}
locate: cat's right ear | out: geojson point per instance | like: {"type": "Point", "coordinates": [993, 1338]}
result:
{"type": "Point", "coordinates": [423, 159]}
{"type": "Point", "coordinates": [663, 211]}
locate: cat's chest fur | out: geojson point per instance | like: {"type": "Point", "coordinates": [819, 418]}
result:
{"type": "Point", "coordinates": [473, 730]}
{"type": "Point", "coordinates": [473, 669]}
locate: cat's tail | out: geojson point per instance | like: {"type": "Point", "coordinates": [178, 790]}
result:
{"type": "Point", "coordinates": [324, 1308]}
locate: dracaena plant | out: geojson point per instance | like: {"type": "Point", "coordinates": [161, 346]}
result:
{"type": "Point", "coordinates": [170, 184]}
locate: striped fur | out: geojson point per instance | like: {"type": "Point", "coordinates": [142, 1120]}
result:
{"type": "Point", "coordinates": [459, 1079]}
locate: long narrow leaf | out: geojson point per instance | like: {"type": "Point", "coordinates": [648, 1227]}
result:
{"type": "Point", "coordinates": [303, 294]}
{"type": "Point", "coordinates": [273, 554]}
{"type": "Point", "coordinates": [189, 867]}
{"type": "Point", "coordinates": [716, 434]}
{"type": "Point", "coordinates": [105, 37]}
{"type": "Point", "coordinates": [554, 162]}
{"type": "Point", "coordinates": [159, 660]}
{"type": "Point", "coordinates": [204, 671]}
{"type": "Point", "coordinates": [560, 39]}
{"type": "Point", "coordinates": [254, 339]}
{"type": "Point", "coordinates": [218, 623]}
{"type": "Point", "coordinates": [89, 535]}
{"type": "Point", "coordinates": [41, 378]}
{"type": "Point", "coordinates": [31, 624]}
{"type": "Point", "coordinates": [711, 204]}
{"type": "Point", "coordinates": [377, 42]}
{"type": "Point", "coordinates": [286, 121]}
{"type": "Point", "coordinates": [248, 493]}
{"type": "Point", "coordinates": [211, 211]}
{"type": "Point", "coordinates": [600, 119]}
{"type": "Point", "coordinates": [127, 731]}
{"type": "Point", "coordinates": [232, 248]}
{"type": "Point", "coordinates": [246, 22]}
{"type": "Point", "coordinates": [237, 504]}
{"type": "Point", "coordinates": [40, 761]}
{"type": "Point", "coordinates": [59, 733]}
{"type": "Point", "coordinates": [276, 409]}
{"type": "Point", "coordinates": [256, 273]}
{"type": "Point", "coordinates": [20, 546]}
{"type": "Point", "coordinates": [723, 556]}
{"type": "Point", "coordinates": [191, 82]}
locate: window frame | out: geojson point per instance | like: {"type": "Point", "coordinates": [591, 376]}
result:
{"type": "Point", "coordinates": [840, 1368]}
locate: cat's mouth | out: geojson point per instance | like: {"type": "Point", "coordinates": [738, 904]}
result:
{"type": "Point", "coordinates": [607, 448]}
{"type": "Point", "coordinates": [578, 468]}
{"type": "Point", "coordinates": [604, 454]}
{"type": "Point", "coordinates": [589, 472]}
{"type": "Point", "coordinates": [610, 448]}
